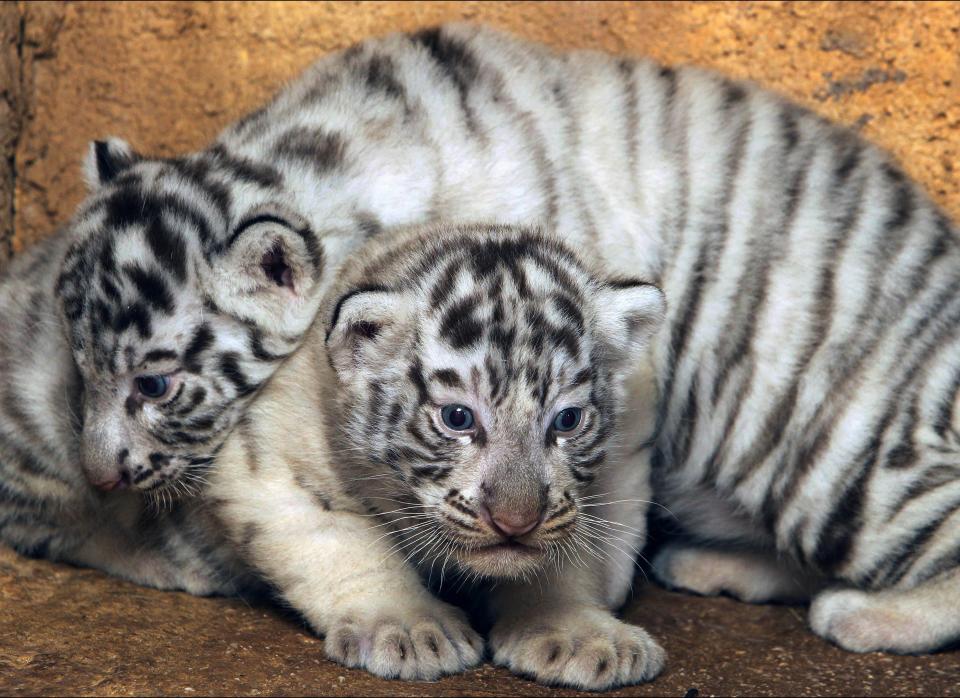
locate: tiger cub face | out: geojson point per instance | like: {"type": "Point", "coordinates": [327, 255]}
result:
{"type": "Point", "coordinates": [185, 285]}
{"type": "Point", "coordinates": [478, 390]}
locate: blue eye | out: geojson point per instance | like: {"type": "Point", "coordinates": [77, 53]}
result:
{"type": "Point", "coordinates": [457, 417]}
{"type": "Point", "coordinates": [567, 419]}
{"type": "Point", "coordinates": [153, 386]}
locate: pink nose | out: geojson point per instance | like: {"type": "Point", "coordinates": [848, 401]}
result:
{"type": "Point", "coordinates": [514, 525]}
{"type": "Point", "coordinates": [120, 482]}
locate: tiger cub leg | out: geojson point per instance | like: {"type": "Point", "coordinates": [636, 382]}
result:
{"type": "Point", "coordinates": [561, 630]}
{"type": "Point", "coordinates": [748, 575]}
{"type": "Point", "coordinates": [334, 566]}
{"type": "Point", "coordinates": [339, 572]}
{"type": "Point", "coordinates": [917, 620]}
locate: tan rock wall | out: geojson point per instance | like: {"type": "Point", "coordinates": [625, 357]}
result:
{"type": "Point", "coordinates": [168, 76]}
{"type": "Point", "coordinates": [10, 42]}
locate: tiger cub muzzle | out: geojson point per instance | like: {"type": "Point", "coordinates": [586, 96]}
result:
{"type": "Point", "coordinates": [508, 536]}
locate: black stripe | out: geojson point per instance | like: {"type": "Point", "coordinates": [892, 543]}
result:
{"type": "Point", "coordinates": [933, 478]}
{"type": "Point", "coordinates": [459, 327]}
{"type": "Point", "coordinates": [420, 437]}
{"type": "Point", "coordinates": [160, 355]}
{"type": "Point", "coordinates": [322, 150]}
{"type": "Point", "coordinates": [448, 377]}
{"type": "Point", "coordinates": [944, 413]}
{"type": "Point", "coordinates": [176, 397]}
{"type": "Point", "coordinates": [151, 287]}
{"type": "Point", "coordinates": [835, 544]}
{"type": "Point", "coordinates": [592, 461]}
{"type": "Point", "coordinates": [230, 369]}
{"type": "Point", "coordinates": [947, 561]}
{"type": "Point", "coordinates": [415, 374]}
{"type": "Point", "coordinates": [380, 76]}
{"type": "Point", "coordinates": [244, 169]}
{"type": "Point", "coordinates": [314, 250]}
{"type": "Point", "coordinates": [845, 371]}
{"type": "Point", "coordinates": [459, 65]}
{"type": "Point", "coordinates": [444, 284]}
{"type": "Point", "coordinates": [203, 423]}
{"type": "Point", "coordinates": [137, 315]}
{"type": "Point", "coordinates": [201, 341]}
{"type": "Point", "coordinates": [582, 376]}
{"type": "Point", "coordinates": [108, 165]}
{"type": "Point", "coordinates": [335, 317]}
{"type": "Point", "coordinates": [168, 247]}
{"type": "Point", "coordinates": [622, 282]}
{"type": "Point", "coordinates": [898, 566]}
{"type": "Point", "coordinates": [903, 204]}
{"type": "Point", "coordinates": [255, 336]}
{"type": "Point", "coordinates": [197, 173]}
{"type": "Point", "coordinates": [582, 477]}
{"type": "Point", "coordinates": [197, 396]}
{"type": "Point", "coordinates": [569, 310]}
{"type": "Point", "coordinates": [256, 220]}
{"type": "Point", "coordinates": [128, 206]}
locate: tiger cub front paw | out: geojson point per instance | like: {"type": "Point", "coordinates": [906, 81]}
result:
{"type": "Point", "coordinates": [419, 642]}
{"type": "Point", "coordinates": [585, 648]}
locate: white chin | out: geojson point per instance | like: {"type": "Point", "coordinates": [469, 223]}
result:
{"type": "Point", "coordinates": [506, 561]}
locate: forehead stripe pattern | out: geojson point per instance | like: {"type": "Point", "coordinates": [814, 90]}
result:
{"type": "Point", "coordinates": [521, 299]}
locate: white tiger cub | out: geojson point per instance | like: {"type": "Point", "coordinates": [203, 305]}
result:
{"type": "Point", "coordinates": [458, 410]}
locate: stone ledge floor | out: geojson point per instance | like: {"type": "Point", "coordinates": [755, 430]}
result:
{"type": "Point", "coordinates": [68, 631]}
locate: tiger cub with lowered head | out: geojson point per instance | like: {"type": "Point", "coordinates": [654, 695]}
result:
{"type": "Point", "coordinates": [458, 410]}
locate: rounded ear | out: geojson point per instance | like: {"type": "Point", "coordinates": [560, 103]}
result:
{"type": "Point", "coordinates": [105, 160]}
{"type": "Point", "coordinates": [629, 313]}
{"type": "Point", "coordinates": [269, 273]}
{"type": "Point", "coordinates": [365, 329]}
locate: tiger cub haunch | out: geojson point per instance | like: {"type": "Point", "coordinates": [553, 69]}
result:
{"type": "Point", "coordinates": [460, 411]}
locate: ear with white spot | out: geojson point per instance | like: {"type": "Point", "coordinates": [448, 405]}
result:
{"type": "Point", "coordinates": [367, 328]}
{"type": "Point", "coordinates": [269, 272]}
{"type": "Point", "coordinates": [105, 160]}
{"type": "Point", "coordinates": [629, 314]}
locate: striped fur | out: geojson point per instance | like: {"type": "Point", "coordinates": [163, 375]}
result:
{"type": "Point", "coordinates": [806, 361]}
{"type": "Point", "coordinates": [508, 324]}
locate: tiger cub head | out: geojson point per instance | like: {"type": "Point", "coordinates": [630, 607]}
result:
{"type": "Point", "coordinates": [187, 281]}
{"type": "Point", "coordinates": [478, 389]}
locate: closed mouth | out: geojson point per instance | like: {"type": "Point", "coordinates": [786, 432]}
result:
{"type": "Point", "coordinates": [509, 546]}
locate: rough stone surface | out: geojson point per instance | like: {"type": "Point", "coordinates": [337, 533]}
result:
{"type": "Point", "coordinates": [65, 631]}
{"type": "Point", "coordinates": [169, 76]}
{"type": "Point", "coordinates": [10, 38]}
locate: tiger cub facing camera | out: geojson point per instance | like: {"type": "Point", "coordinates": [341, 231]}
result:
{"type": "Point", "coordinates": [458, 413]}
